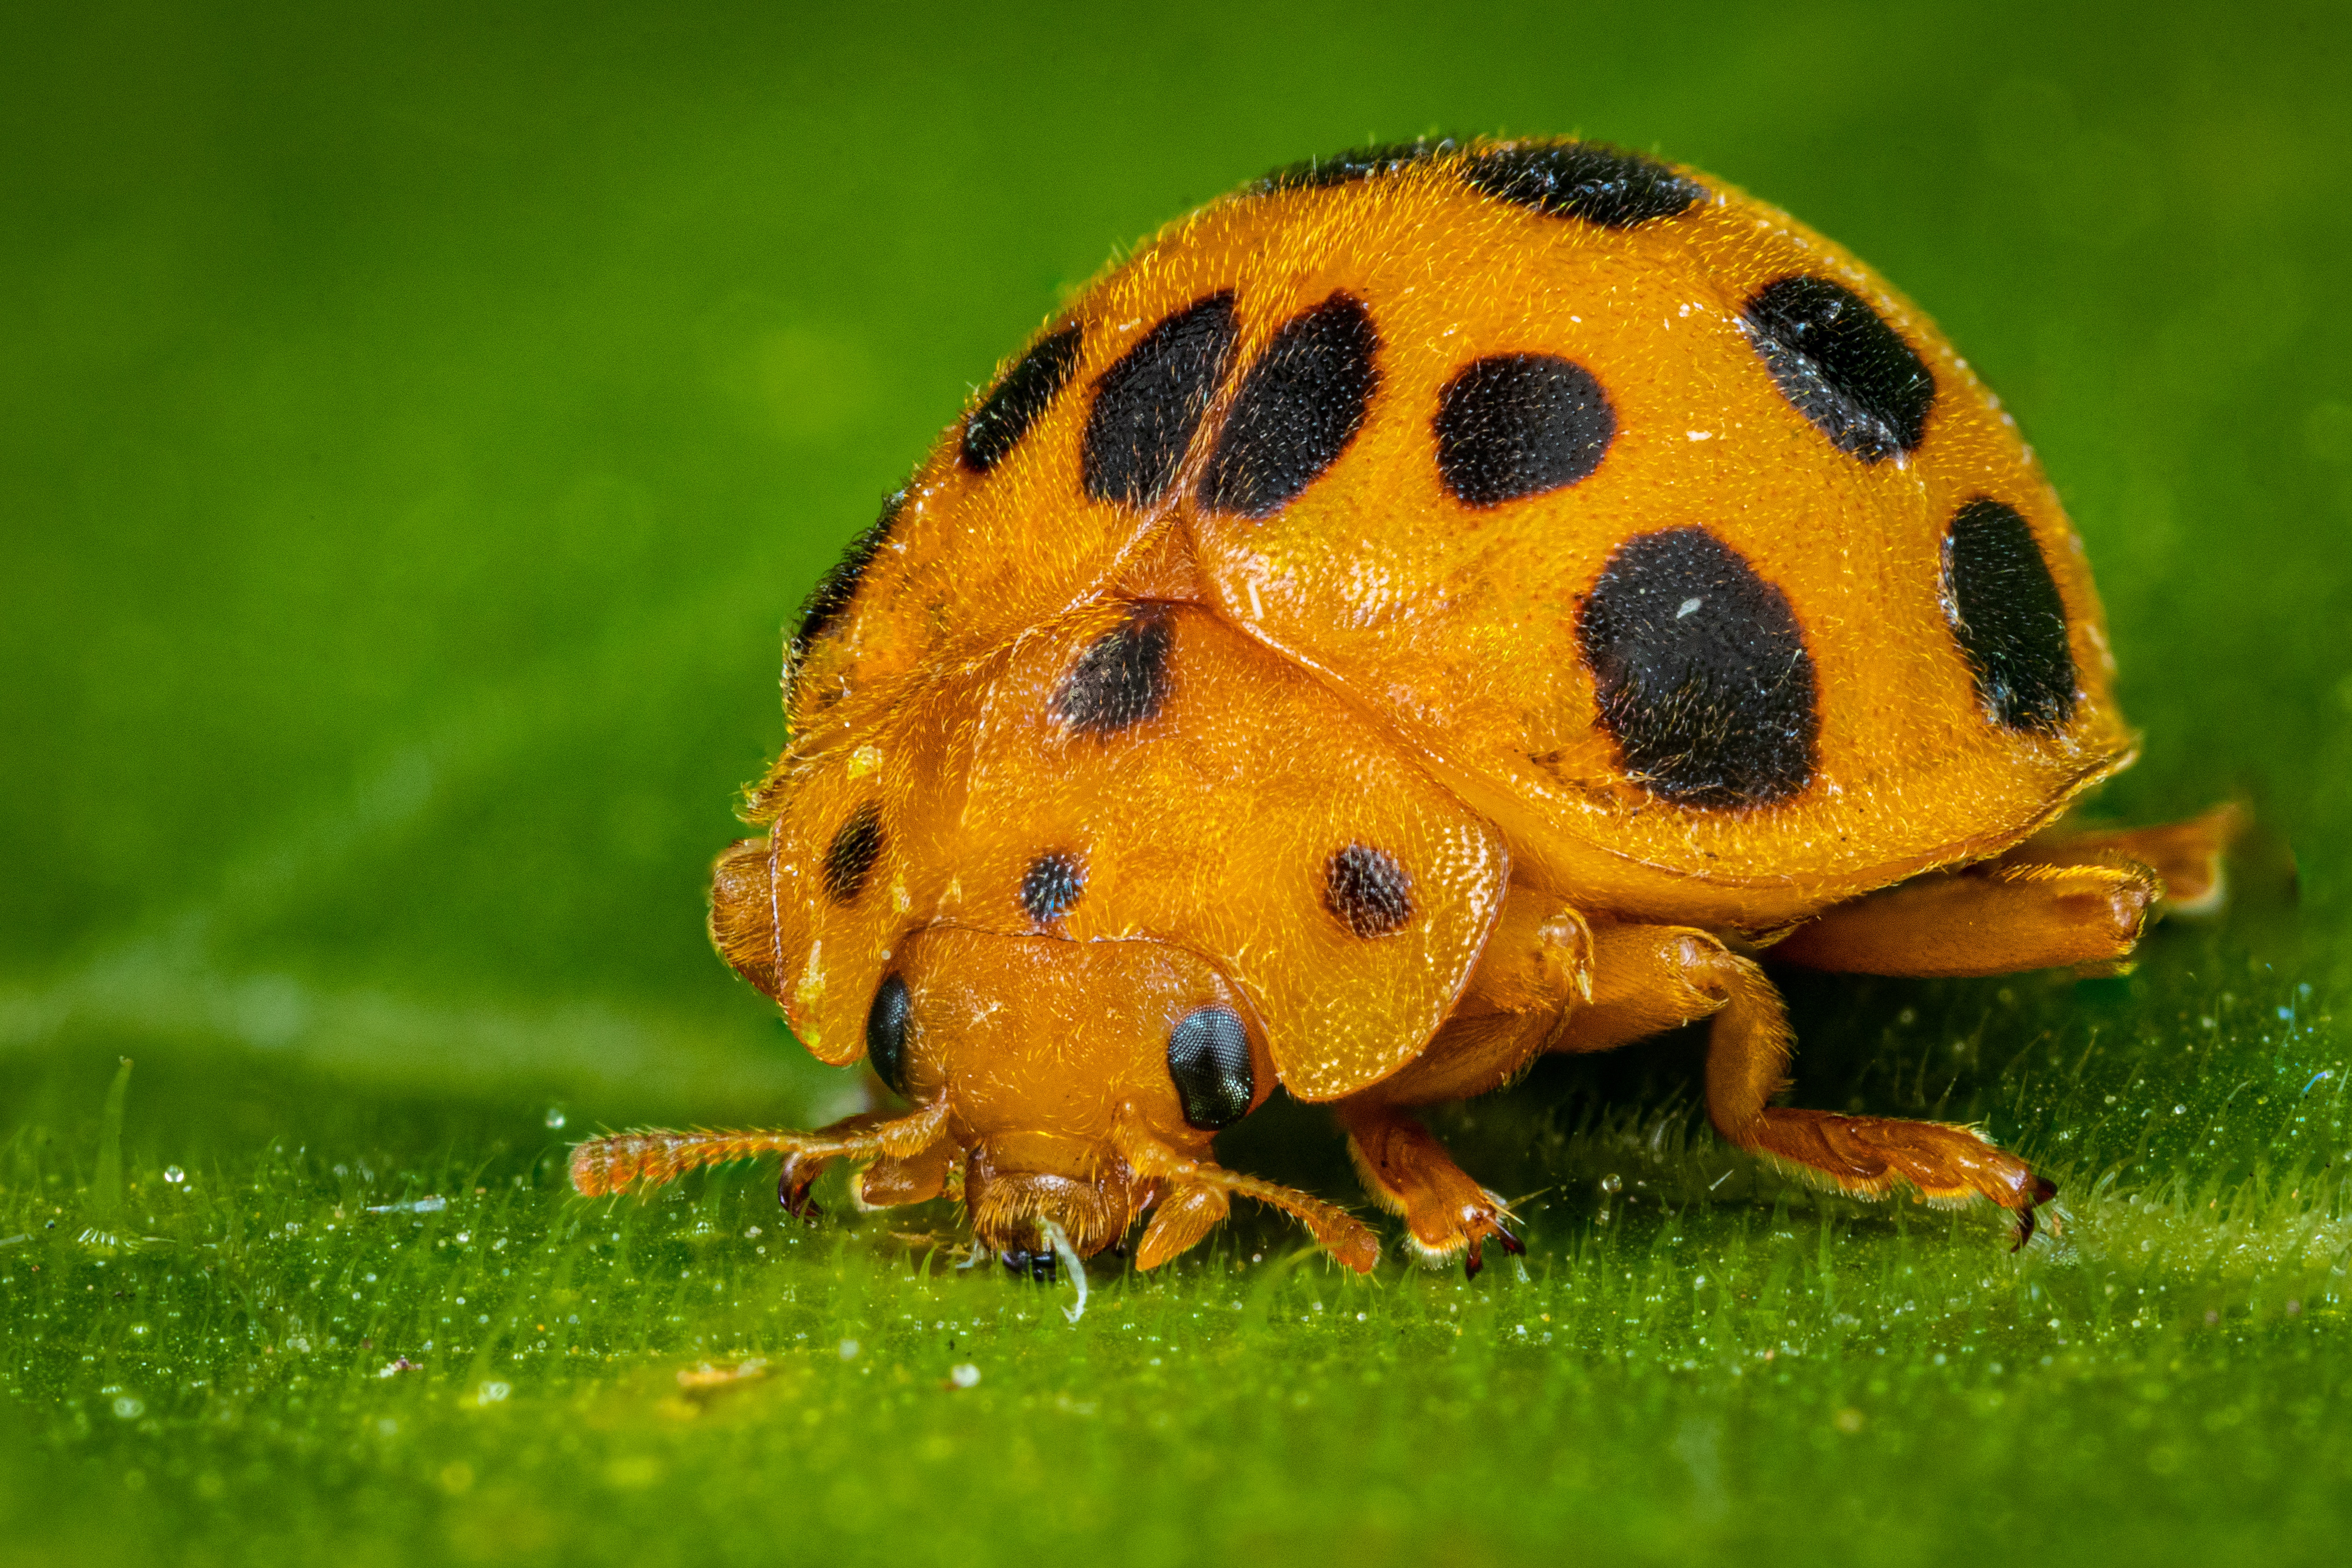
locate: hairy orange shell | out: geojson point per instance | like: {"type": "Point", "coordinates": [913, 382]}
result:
{"type": "Point", "coordinates": [1402, 529]}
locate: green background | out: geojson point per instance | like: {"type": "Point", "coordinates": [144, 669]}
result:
{"type": "Point", "coordinates": [417, 424]}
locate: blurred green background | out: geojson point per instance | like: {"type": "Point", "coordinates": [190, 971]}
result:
{"type": "Point", "coordinates": [417, 422]}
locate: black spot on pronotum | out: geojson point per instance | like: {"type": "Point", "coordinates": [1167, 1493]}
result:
{"type": "Point", "coordinates": [1148, 406]}
{"type": "Point", "coordinates": [851, 856]}
{"type": "Point", "coordinates": [834, 591]}
{"type": "Point", "coordinates": [1050, 888]}
{"type": "Point", "coordinates": [1122, 678]}
{"type": "Point", "coordinates": [1209, 1057]}
{"type": "Point", "coordinates": [1840, 366]}
{"type": "Point", "coordinates": [1299, 408]}
{"type": "Point", "coordinates": [2008, 617]}
{"type": "Point", "coordinates": [1589, 180]}
{"type": "Point", "coordinates": [886, 1032]}
{"type": "Point", "coordinates": [1016, 401]}
{"type": "Point", "coordinates": [1703, 678]}
{"type": "Point", "coordinates": [1367, 890]}
{"type": "Point", "coordinates": [1519, 425]}
{"type": "Point", "coordinates": [1356, 163]}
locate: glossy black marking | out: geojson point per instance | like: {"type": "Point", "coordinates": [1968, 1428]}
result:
{"type": "Point", "coordinates": [1842, 366]}
{"type": "Point", "coordinates": [1299, 408]}
{"type": "Point", "coordinates": [2008, 617]}
{"type": "Point", "coordinates": [1209, 1057]}
{"type": "Point", "coordinates": [1051, 887]}
{"type": "Point", "coordinates": [1122, 678]}
{"type": "Point", "coordinates": [1519, 425]}
{"type": "Point", "coordinates": [851, 858]}
{"type": "Point", "coordinates": [1702, 675]}
{"type": "Point", "coordinates": [1589, 180]}
{"type": "Point", "coordinates": [831, 597]}
{"type": "Point", "coordinates": [1018, 401]}
{"type": "Point", "coordinates": [1148, 406]}
{"type": "Point", "coordinates": [1367, 890]}
{"type": "Point", "coordinates": [1356, 163]}
{"type": "Point", "coordinates": [1041, 1268]}
{"type": "Point", "coordinates": [886, 1032]}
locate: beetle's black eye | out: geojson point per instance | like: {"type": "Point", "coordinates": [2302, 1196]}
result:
{"type": "Point", "coordinates": [1209, 1057]}
{"type": "Point", "coordinates": [886, 1032]}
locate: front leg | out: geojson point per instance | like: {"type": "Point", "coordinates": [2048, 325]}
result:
{"type": "Point", "coordinates": [1409, 1174]}
{"type": "Point", "coordinates": [1538, 966]}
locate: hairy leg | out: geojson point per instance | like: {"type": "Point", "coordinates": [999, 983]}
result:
{"type": "Point", "coordinates": [1409, 1173]}
{"type": "Point", "coordinates": [1996, 919]}
{"type": "Point", "coordinates": [1538, 966]}
{"type": "Point", "coordinates": [1653, 977]}
{"type": "Point", "coordinates": [2058, 899]}
{"type": "Point", "coordinates": [2186, 854]}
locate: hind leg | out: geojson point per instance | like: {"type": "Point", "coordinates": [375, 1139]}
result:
{"type": "Point", "coordinates": [1647, 978]}
{"type": "Point", "coordinates": [2055, 901]}
{"type": "Point", "coordinates": [2186, 855]}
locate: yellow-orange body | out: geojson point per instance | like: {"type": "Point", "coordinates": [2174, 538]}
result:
{"type": "Point", "coordinates": [1405, 781]}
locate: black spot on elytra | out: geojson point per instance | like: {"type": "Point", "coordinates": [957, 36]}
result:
{"type": "Point", "coordinates": [1589, 180]}
{"type": "Point", "coordinates": [851, 856]}
{"type": "Point", "coordinates": [1519, 425]}
{"type": "Point", "coordinates": [831, 597]}
{"type": "Point", "coordinates": [1050, 888]}
{"type": "Point", "coordinates": [1148, 406]}
{"type": "Point", "coordinates": [1842, 366]}
{"type": "Point", "coordinates": [1016, 401]}
{"type": "Point", "coordinates": [2008, 617]}
{"type": "Point", "coordinates": [1367, 890]}
{"type": "Point", "coordinates": [886, 1032]}
{"type": "Point", "coordinates": [1703, 678]}
{"type": "Point", "coordinates": [1209, 1058]}
{"type": "Point", "coordinates": [1299, 408]}
{"type": "Point", "coordinates": [1122, 678]}
{"type": "Point", "coordinates": [1356, 163]}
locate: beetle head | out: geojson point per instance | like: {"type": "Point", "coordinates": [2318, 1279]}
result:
{"type": "Point", "coordinates": [1070, 1085]}
{"type": "Point", "coordinates": [1063, 1067]}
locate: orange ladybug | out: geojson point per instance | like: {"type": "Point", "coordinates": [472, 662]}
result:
{"type": "Point", "coordinates": [1433, 606]}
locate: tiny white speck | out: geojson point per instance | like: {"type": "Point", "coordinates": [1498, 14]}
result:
{"type": "Point", "coordinates": [1688, 606]}
{"type": "Point", "coordinates": [848, 1349]}
{"type": "Point", "coordinates": [1684, 311]}
{"type": "Point", "coordinates": [964, 1375]}
{"type": "Point", "coordinates": [1700, 434]}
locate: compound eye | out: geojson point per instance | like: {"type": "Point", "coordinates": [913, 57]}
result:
{"type": "Point", "coordinates": [1209, 1057]}
{"type": "Point", "coordinates": [886, 1032]}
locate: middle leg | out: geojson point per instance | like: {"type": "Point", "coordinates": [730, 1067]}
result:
{"type": "Point", "coordinates": [1646, 978]}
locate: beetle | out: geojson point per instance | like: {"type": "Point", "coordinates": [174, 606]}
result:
{"type": "Point", "coordinates": [1433, 606]}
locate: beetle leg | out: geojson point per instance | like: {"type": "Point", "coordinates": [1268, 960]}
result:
{"type": "Point", "coordinates": [2186, 854]}
{"type": "Point", "coordinates": [2059, 899]}
{"type": "Point", "coordinates": [894, 1179]}
{"type": "Point", "coordinates": [1341, 1234]}
{"type": "Point", "coordinates": [1748, 1055]}
{"type": "Point", "coordinates": [1995, 919]}
{"type": "Point", "coordinates": [1409, 1173]}
{"type": "Point", "coordinates": [1187, 1215]}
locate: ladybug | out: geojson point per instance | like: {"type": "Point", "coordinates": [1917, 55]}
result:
{"type": "Point", "coordinates": [1433, 606]}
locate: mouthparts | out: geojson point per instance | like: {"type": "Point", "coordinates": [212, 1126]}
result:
{"type": "Point", "coordinates": [1011, 1209]}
